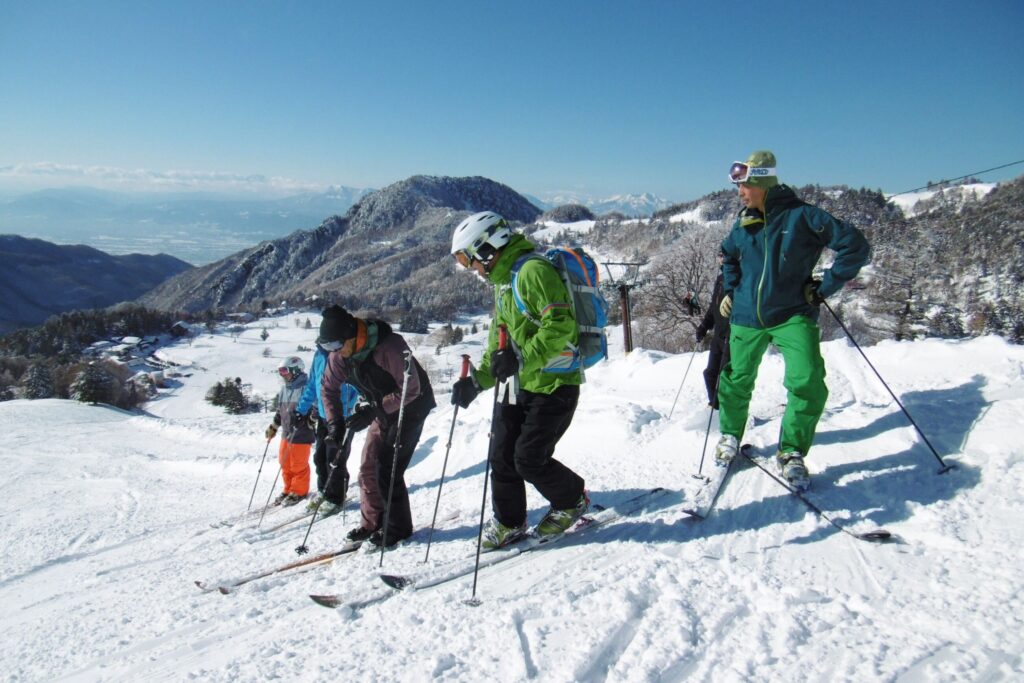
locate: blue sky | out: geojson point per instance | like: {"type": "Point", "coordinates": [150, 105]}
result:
{"type": "Point", "coordinates": [594, 97]}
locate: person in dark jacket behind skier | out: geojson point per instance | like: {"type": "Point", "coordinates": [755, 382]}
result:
{"type": "Point", "coordinates": [328, 457]}
{"type": "Point", "coordinates": [371, 357]}
{"type": "Point", "coordinates": [718, 325]}
{"type": "Point", "coordinates": [296, 433]}
{"type": "Point", "coordinates": [771, 297]}
{"type": "Point", "coordinates": [541, 394]}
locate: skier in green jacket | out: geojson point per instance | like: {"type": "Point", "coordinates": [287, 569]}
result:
{"type": "Point", "coordinates": [542, 386]}
{"type": "Point", "coordinates": [771, 297]}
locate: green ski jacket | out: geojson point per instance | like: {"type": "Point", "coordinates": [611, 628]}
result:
{"type": "Point", "coordinates": [547, 299]}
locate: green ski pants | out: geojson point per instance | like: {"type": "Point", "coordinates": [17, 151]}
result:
{"type": "Point", "coordinates": [799, 341]}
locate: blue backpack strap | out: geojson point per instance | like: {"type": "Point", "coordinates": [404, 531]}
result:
{"type": "Point", "coordinates": [520, 304]}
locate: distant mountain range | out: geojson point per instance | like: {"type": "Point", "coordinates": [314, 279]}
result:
{"type": "Point", "coordinates": [631, 205]}
{"type": "Point", "coordinates": [198, 228]}
{"type": "Point", "coordinates": [39, 279]}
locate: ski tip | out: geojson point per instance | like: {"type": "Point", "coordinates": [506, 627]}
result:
{"type": "Point", "coordinates": [202, 585]}
{"type": "Point", "coordinates": [331, 601]}
{"type": "Point", "coordinates": [396, 582]}
{"type": "Point", "coordinates": [224, 590]}
{"type": "Point", "coordinates": [879, 535]}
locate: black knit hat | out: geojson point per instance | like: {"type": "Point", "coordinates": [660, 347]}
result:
{"type": "Point", "coordinates": [337, 325]}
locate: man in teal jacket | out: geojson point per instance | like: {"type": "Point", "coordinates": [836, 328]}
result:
{"type": "Point", "coordinates": [542, 376]}
{"type": "Point", "coordinates": [771, 297]}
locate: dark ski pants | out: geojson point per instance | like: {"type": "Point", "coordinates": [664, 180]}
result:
{"type": "Point", "coordinates": [328, 458]}
{"type": "Point", "coordinates": [718, 356]}
{"type": "Point", "coordinates": [522, 446]}
{"type": "Point", "coordinates": [375, 476]}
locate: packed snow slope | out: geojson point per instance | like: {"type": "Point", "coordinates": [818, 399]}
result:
{"type": "Point", "coordinates": [107, 525]}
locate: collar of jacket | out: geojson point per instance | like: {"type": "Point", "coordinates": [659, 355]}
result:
{"type": "Point", "coordinates": [501, 273]}
{"type": "Point", "coordinates": [780, 197]}
{"type": "Point", "coordinates": [751, 219]}
{"type": "Point", "coordinates": [366, 339]}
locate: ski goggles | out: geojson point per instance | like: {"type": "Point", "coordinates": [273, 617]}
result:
{"type": "Point", "coordinates": [284, 372]}
{"type": "Point", "coordinates": [329, 346]}
{"type": "Point", "coordinates": [741, 172]}
{"type": "Point", "coordinates": [464, 258]}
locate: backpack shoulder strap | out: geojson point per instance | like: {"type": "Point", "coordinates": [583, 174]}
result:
{"type": "Point", "coordinates": [520, 304]}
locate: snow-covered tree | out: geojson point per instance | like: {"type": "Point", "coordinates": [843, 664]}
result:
{"type": "Point", "coordinates": [92, 385]}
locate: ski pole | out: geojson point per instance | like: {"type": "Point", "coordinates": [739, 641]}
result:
{"type": "Point", "coordinates": [394, 454]}
{"type": "Point", "coordinates": [711, 415]}
{"type": "Point", "coordinates": [262, 460]}
{"type": "Point", "coordinates": [272, 487]}
{"type": "Point", "coordinates": [876, 535]}
{"type": "Point", "coordinates": [502, 340]}
{"type": "Point", "coordinates": [346, 443]}
{"type": "Point", "coordinates": [944, 467]}
{"type": "Point", "coordinates": [680, 390]}
{"type": "Point", "coordinates": [448, 448]}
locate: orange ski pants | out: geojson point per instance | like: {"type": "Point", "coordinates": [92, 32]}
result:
{"type": "Point", "coordinates": [294, 459]}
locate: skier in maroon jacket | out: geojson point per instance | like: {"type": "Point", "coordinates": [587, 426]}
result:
{"type": "Point", "coordinates": [371, 357]}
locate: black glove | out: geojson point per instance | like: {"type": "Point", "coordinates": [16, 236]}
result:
{"type": "Point", "coordinates": [811, 293]}
{"type": "Point", "coordinates": [336, 432]}
{"type": "Point", "coordinates": [464, 391]}
{"type": "Point", "coordinates": [361, 418]}
{"type": "Point", "coordinates": [504, 364]}
{"type": "Point", "coordinates": [299, 420]}
{"type": "Point", "coordinates": [701, 333]}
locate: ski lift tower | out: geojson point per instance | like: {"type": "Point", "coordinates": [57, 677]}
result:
{"type": "Point", "coordinates": [630, 274]}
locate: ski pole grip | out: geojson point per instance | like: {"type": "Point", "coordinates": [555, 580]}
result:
{"type": "Point", "coordinates": [502, 336]}
{"type": "Point", "coordinates": [465, 366]}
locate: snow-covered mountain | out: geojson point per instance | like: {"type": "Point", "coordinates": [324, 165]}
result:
{"type": "Point", "coordinates": [631, 205]}
{"type": "Point", "coordinates": [107, 524]}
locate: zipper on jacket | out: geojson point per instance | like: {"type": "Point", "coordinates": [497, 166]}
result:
{"type": "Point", "coordinates": [764, 269]}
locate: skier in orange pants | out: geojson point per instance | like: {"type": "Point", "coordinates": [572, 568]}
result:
{"type": "Point", "coordinates": [297, 434]}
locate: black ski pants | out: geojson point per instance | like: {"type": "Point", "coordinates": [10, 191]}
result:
{"type": "Point", "coordinates": [326, 456]}
{"type": "Point", "coordinates": [400, 515]}
{"type": "Point", "coordinates": [522, 450]}
{"type": "Point", "coordinates": [718, 356]}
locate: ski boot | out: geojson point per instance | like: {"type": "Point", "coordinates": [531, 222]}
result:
{"type": "Point", "coordinates": [557, 522]}
{"type": "Point", "coordinates": [497, 535]}
{"type": "Point", "coordinates": [315, 502]}
{"type": "Point", "coordinates": [793, 470]}
{"type": "Point", "coordinates": [292, 499]}
{"type": "Point", "coordinates": [725, 451]}
{"type": "Point", "coordinates": [327, 508]}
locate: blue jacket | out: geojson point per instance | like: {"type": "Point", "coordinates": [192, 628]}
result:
{"type": "Point", "coordinates": [769, 259]}
{"type": "Point", "coordinates": [349, 395]}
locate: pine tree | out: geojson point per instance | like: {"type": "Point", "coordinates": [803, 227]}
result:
{"type": "Point", "coordinates": [37, 382]}
{"type": "Point", "coordinates": [92, 385]}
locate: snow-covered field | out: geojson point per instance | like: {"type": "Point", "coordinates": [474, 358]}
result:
{"type": "Point", "coordinates": [107, 525]}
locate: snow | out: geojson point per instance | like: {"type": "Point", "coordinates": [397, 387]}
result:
{"type": "Point", "coordinates": [694, 215]}
{"type": "Point", "coordinates": [552, 229]}
{"type": "Point", "coordinates": [908, 201]}
{"type": "Point", "coordinates": [107, 524]}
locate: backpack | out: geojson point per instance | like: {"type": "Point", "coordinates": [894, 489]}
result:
{"type": "Point", "coordinates": [580, 274]}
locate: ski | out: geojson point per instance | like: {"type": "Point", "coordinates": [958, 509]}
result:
{"type": "Point", "coordinates": [594, 520]}
{"type": "Point", "coordinates": [309, 562]}
{"type": "Point", "coordinates": [875, 536]}
{"type": "Point", "coordinates": [245, 516]}
{"type": "Point", "coordinates": [707, 495]}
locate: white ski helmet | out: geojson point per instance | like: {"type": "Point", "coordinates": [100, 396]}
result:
{"type": "Point", "coordinates": [292, 364]}
{"type": "Point", "coordinates": [481, 235]}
